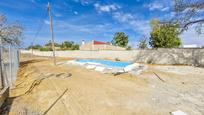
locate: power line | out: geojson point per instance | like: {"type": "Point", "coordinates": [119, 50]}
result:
{"type": "Point", "coordinates": [41, 24]}
{"type": "Point", "coordinates": [40, 27]}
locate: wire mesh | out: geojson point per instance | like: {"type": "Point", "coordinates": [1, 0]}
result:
{"type": "Point", "coordinates": [9, 65]}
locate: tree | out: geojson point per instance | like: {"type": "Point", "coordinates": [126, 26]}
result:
{"type": "Point", "coordinates": [49, 44]}
{"type": "Point", "coordinates": [188, 13]}
{"type": "Point", "coordinates": [129, 48]}
{"type": "Point", "coordinates": [164, 35]}
{"type": "Point", "coordinates": [69, 45]}
{"type": "Point", "coordinates": [75, 47]}
{"type": "Point", "coordinates": [10, 33]}
{"type": "Point", "coordinates": [35, 47]}
{"type": "Point", "coordinates": [120, 39]}
{"type": "Point", "coordinates": [143, 43]}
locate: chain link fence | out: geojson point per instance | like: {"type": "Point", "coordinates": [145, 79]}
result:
{"type": "Point", "coordinates": [9, 64]}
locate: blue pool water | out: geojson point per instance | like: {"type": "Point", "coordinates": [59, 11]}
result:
{"type": "Point", "coordinates": [107, 62]}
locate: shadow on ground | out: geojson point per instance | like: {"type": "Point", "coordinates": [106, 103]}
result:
{"type": "Point", "coordinates": [5, 108]}
{"type": "Point", "coordinates": [27, 62]}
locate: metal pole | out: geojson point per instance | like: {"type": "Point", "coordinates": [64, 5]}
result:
{"type": "Point", "coordinates": [10, 66]}
{"type": "Point", "coordinates": [51, 29]}
{"type": "Point", "coordinates": [1, 67]}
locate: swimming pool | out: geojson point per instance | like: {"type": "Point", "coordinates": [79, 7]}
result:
{"type": "Point", "coordinates": [109, 63]}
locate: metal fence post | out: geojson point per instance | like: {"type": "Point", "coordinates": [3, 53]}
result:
{"type": "Point", "coordinates": [1, 69]}
{"type": "Point", "coordinates": [10, 65]}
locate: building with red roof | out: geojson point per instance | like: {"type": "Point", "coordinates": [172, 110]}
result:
{"type": "Point", "coordinates": [99, 45]}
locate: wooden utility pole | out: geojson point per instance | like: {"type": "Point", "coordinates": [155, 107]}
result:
{"type": "Point", "coordinates": [52, 34]}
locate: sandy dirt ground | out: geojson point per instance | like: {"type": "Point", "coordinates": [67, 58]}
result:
{"type": "Point", "coordinates": [42, 88]}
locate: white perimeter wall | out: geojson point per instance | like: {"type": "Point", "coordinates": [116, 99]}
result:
{"type": "Point", "coordinates": [158, 56]}
{"type": "Point", "coordinates": [122, 55]}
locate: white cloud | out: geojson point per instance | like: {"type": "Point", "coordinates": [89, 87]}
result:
{"type": "Point", "coordinates": [75, 12]}
{"type": "Point", "coordinates": [157, 6]}
{"type": "Point", "coordinates": [123, 17]}
{"type": "Point", "coordinates": [58, 14]}
{"type": "Point", "coordinates": [106, 8]}
{"type": "Point", "coordinates": [140, 26]}
{"type": "Point", "coordinates": [63, 26]}
{"type": "Point", "coordinates": [83, 2]}
{"type": "Point", "coordinates": [165, 9]}
{"type": "Point", "coordinates": [46, 22]}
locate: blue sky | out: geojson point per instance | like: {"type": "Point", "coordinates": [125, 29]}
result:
{"type": "Point", "coordinates": [77, 20]}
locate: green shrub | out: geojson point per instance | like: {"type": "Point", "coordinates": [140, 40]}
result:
{"type": "Point", "coordinates": [45, 49]}
{"type": "Point", "coordinates": [129, 48]}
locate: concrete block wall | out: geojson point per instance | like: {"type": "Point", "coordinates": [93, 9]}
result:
{"type": "Point", "coordinates": [156, 56]}
{"type": "Point", "coordinates": [172, 56]}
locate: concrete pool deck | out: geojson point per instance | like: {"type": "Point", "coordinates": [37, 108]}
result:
{"type": "Point", "coordinates": [90, 92]}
